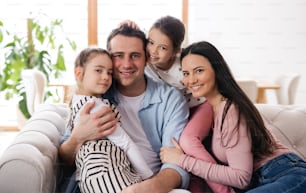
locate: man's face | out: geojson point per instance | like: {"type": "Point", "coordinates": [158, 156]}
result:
{"type": "Point", "coordinates": [129, 62]}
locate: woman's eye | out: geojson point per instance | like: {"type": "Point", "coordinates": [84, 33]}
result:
{"type": "Point", "coordinates": [164, 48]}
{"type": "Point", "coordinates": [199, 70]}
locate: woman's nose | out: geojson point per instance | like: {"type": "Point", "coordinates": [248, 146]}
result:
{"type": "Point", "coordinates": [192, 79]}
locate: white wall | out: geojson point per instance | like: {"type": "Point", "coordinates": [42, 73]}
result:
{"type": "Point", "coordinates": [261, 38]}
{"type": "Point", "coordinates": [144, 13]}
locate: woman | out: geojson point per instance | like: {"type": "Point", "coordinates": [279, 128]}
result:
{"type": "Point", "coordinates": [249, 157]}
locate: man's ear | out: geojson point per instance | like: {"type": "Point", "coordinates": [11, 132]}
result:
{"type": "Point", "coordinates": [78, 73]}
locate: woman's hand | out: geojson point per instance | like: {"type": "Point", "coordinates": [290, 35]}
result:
{"type": "Point", "coordinates": [171, 154]}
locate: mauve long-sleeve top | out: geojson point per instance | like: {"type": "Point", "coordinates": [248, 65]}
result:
{"type": "Point", "coordinates": [231, 149]}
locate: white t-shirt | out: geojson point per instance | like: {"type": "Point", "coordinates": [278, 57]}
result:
{"type": "Point", "coordinates": [128, 108]}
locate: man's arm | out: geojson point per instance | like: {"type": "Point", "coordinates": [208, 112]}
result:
{"type": "Point", "coordinates": [162, 182]}
{"type": "Point", "coordinates": [176, 117]}
{"type": "Point", "coordinates": [68, 149]}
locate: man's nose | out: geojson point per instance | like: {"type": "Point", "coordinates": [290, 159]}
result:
{"type": "Point", "coordinates": [127, 61]}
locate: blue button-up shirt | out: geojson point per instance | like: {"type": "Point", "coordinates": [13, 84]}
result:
{"type": "Point", "coordinates": [163, 115]}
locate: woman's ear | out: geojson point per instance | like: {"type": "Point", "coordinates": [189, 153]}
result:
{"type": "Point", "coordinates": [78, 73]}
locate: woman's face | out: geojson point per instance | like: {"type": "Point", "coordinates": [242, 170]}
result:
{"type": "Point", "coordinates": [199, 76]}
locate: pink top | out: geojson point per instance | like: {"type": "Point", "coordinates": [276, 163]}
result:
{"type": "Point", "coordinates": [235, 154]}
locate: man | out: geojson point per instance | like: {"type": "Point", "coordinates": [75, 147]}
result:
{"type": "Point", "coordinates": [153, 113]}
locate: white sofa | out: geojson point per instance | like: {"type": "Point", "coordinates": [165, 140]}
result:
{"type": "Point", "coordinates": [30, 164]}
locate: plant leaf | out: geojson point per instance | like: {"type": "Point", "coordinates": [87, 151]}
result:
{"type": "Point", "coordinates": [22, 105]}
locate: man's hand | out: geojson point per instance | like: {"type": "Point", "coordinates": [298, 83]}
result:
{"type": "Point", "coordinates": [89, 127]}
{"type": "Point", "coordinates": [96, 125]}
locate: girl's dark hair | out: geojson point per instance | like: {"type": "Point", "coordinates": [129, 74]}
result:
{"type": "Point", "coordinates": [87, 53]}
{"type": "Point", "coordinates": [262, 141]}
{"type": "Point", "coordinates": [173, 28]}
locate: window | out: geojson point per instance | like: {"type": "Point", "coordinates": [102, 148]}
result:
{"type": "Point", "coordinates": [75, 18]}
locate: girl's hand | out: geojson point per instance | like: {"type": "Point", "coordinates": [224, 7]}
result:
{"type": "Point", "coordinates": [171, 154]}
{"type": "Point", "coordinates": [129, 23]}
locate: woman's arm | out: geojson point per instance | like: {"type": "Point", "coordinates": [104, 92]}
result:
{"type": "Point", "coordinates": [196, 130]}
{"type": "Point", "coordinates": [235, 154]}
{"type": "Point", "coordinates": [232, 146]}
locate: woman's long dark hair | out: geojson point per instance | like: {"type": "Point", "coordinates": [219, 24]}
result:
{"type": "Point", "coordinates": [262, 142]}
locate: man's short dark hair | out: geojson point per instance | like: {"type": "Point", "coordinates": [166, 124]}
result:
{"type": "Point", "coordinates": [125, 30]}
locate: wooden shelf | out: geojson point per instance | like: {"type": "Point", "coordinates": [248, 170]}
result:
{"type": "Point", "coordinates": [9, 128]}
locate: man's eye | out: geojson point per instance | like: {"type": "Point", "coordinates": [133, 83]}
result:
{"type": "Point", "coordinates": [117, 56]}
{"type": "Point", "coordinates": [135, 55]}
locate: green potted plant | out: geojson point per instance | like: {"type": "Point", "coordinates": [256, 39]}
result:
{"type": "Point", "coordinates": [42, 49]}
{"type": "Point", "coordinates": [1, 33]}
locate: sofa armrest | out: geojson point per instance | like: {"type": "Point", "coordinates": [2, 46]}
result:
{"type": "Point", "coordinates": [288, 124]}
{"type": "Point", "coordinates": [29, 164]}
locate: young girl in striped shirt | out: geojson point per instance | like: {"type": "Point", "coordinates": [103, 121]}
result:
{"type": "Point", "coordinates": [110, 164]}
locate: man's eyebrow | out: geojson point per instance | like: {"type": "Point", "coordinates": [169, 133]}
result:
{"type": "Point", "coordinates": [136, 53]}
{"type": "Point", "coordinates": [116, 53]}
